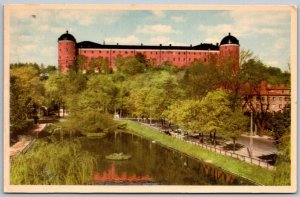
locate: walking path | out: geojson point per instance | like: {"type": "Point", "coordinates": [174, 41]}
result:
{"type": "Point", "coordinates": [23, 144]}
{"type": "Point", "coordinates": [242, 154]}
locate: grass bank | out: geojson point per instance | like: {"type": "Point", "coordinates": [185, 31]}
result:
{"type": "Point", "coordinates": [254, 173]}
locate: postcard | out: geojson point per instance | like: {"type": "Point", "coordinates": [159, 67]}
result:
{"type": "Point", "coordinates": [150, 98]}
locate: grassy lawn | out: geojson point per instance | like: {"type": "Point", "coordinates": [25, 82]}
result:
{"type": "Point", "coordinates": [254, 173]}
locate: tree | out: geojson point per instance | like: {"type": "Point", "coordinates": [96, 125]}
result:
{"type": "Point", "coordinates": [79, 65]}
{"type": "Point", "coordinates": [234, 125]}
{"type": "Point", "coordinates": [26, 95]}
{"type": "Point", "coordinates": [282, 175]}
{"type": "Point", "coordinates": [132, 66]}
{"type": "Point", "coordinates": [214, 111]}
{"type": "Point", "coordinates": [186, 114]}
{"type": "Point", "coordinates": [88, 121]}
{"type": "Point", "coordinates": [199, 79]}
{"type": "Point", "coordinates": [279, 122]}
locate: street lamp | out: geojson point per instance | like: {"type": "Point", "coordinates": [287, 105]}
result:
{"type": "Point", "coordinates": [251, 135]}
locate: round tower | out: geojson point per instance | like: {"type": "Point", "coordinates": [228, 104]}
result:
{"type": "Point", "coordinates": [66, 51]}
{"type": "Point", "coordinates": [230, 53]}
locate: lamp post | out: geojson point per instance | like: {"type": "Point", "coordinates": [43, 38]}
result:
{"type": "Point", "coordinates": [251, 135]}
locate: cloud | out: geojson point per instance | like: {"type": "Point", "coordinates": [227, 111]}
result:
{"type": "Point", "coordinates": [246, 24]}
{"type": "Point", "coordinates": [272, 63]}
{"type": "Point", "coordinates": [178, 19]}
{"type": "Point", "coordinates": [158, 13]}
{"type": "Point", "coordinates": [164, 40]}
{"type": "Point", "coordinates": [155, 29]}
{"type": "Point", "coordinates": [122, 40]}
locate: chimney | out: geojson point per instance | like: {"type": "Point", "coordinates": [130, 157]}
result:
{"type": "Point", "coordinates": [117, 43]}
{"type": "Point", "coordinates": [170, 45]}
{"type": "Point", "coordinates": [191, 45]}
{"type": "Point", "coordinates": [141, 44]}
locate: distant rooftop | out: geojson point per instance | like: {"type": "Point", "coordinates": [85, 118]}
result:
{"type": "Point", "coordinates": [93, 45]}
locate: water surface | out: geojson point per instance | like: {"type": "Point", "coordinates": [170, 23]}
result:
{"type": "Point", "coordinates": [151, 163]}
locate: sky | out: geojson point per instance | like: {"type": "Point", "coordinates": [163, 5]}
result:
{"type": "Point", "coordinates": [34, 32]}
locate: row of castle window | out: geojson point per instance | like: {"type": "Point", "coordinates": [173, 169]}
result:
{"type": "Point", "coordinates": [152, 52]}
{"type": "Point", "coordinates": [174, 59]}
{"type": "Point", "coordinates": [274, 98]}
{"type": "Point", "coordinates": [265, 106]}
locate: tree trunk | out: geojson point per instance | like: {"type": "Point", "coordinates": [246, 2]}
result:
{"type": "Point", "coordinates": [58, 109]}
{"type": "Point", "coordinates": [233, 144]}
{"type": "Point", "coordinates": [215, 139]}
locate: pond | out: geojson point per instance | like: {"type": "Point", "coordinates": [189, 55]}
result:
{"type": "Point", "coordinates": [150, 164]}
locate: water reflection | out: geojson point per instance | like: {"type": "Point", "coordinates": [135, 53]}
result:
{"type": "Point", "coordinates": [111, 176]}
{"type": "Point", "coordinates": [151, 160]}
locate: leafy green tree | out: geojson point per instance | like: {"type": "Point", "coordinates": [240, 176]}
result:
{"type": "Point", "coordinates": [282, 175]}
{"type": "Point", "coordinates": [26, 95]}
{"type": "Point", "coordinates": [184, 113]}
{"type": "Point", "coordinates": [279, 122]}
{"type": "Point", "coordinates": [199, 79]}
{"type": "Point", "coordinates": [79, 65]}
{"type": "Point", "coordinates": [119, 62]}
{"type": "Point", "coordinates": [234, 125]}
{"type": "Point", "coordinates": [214, 112]}
{"type": "Point", "coordinates": [132, 66]}
{"type": "Point", "coordinates": [88, 121]}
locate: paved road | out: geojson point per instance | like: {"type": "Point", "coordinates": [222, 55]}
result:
{"type": "Point", "coordinates": [261, 146]}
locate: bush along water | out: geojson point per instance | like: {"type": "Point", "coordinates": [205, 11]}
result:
{"type": "Point", "coordinates": [52, 162]}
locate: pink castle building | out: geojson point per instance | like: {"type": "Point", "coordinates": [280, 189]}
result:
{"type": "Point", "coordinates": [181, 56]}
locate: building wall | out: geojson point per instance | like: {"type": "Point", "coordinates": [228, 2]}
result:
{"type": "Point", "coordinates": [180, 58]}
{"type": "Point", "coordinates": [66, 54]}
{"type": "Point", "coordinates": [230, 54]}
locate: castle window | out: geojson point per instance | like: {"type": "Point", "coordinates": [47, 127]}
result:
{"type": "Point", "coordinates": [183, 53]}
{"type": "Point", "coordinates": [263, 98]}
{"type": "Point", "coordinates": [204, 59]}
{"type": "Point", "coordinates": [131, 51]}
{"type": "Point", "coordinates": [113, 51]}
{"type": "Point", "coordinates": [126, 52]}
{"type": "Point", "coordinates": [99, 51]}
{"type": "Point", "coordinates": [107, 52]}
{"type": "Point", "coordinates": [92, 51]}
{"type": "Point", "coordinates": [156, 52]}
{"type": "Point", "coordinates": [162, 52]}
{"type": "Point", "coordinates": [174, 59]}
{"type": "Point", "coordinates": [151, 52]}
{"type": "Point", "coordinates": [84, 51]}
{"type": "Point", "coordinates": [178, 53]}
{"type": "Point", "coordinates": [280, 98]}
{"type": "Point", "coordinates": [179, 59]}
{"type": "Point", "coordinates": [274, 98]}
{"type": "Point", "coordinates": [183, 59]}
{"type": "Point", "coordinates": [194, 53]}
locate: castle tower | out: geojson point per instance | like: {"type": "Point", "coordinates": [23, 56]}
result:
{"type": "Point", "coordinates": [66, 51]}
{"type": "Point", "coordinates": [230, 53]}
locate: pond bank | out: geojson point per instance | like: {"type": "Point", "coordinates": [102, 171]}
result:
{"type": "Point", "coordinates": [23, 144]}
{"type": "Point", "coordinates": [256, 174]}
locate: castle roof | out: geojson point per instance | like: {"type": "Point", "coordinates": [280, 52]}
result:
{"type": "Point", "coordinates": [67, 36]}
{"type": "Point", "coordinates": [93, 45]}
{"type": "Point", "coordinates": [229, 40]}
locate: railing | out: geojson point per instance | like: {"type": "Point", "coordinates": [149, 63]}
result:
{"type": "Point", "coordinates": [251, 160]}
